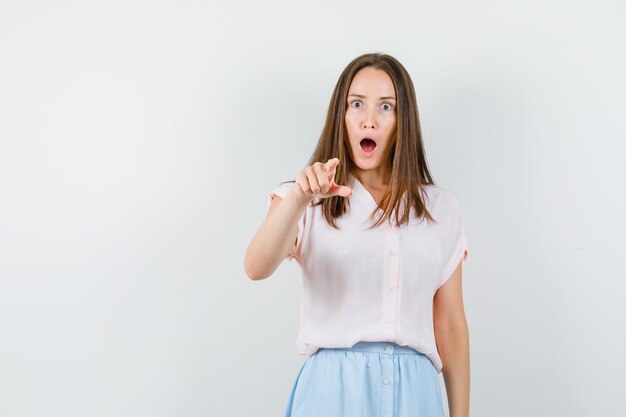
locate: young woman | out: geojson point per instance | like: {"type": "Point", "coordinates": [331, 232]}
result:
{"type": "Point", "coordinates": [381, 250]}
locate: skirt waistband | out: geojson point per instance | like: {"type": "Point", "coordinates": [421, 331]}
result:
{"type": "Point", "coordinates": [379, 347]}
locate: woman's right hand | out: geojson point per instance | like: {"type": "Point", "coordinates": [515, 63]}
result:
{"type": "Point", "coordinates": [277, 237]}
{"type": "Point", "coordinates": [317, 180]}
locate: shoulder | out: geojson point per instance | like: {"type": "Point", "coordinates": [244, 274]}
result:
{"type": "Point", "coordinates": [439, 196]}
{"type": "Point", "coordinates": [281, 190]}
{"type": "Point", "coordinates": [442, 203]}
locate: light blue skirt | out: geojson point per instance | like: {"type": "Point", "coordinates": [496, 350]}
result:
{"type": "Point", "coordinates": [369, 379]}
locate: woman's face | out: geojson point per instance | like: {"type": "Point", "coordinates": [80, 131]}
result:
{"type": "Point", "coordinates": [371, 118]}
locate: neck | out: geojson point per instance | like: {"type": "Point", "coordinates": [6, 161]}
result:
{"type": "Point", "coordinates": [374, 179]}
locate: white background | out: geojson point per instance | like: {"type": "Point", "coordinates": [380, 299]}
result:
{"type": "Point", "coordinates": [139, 142]}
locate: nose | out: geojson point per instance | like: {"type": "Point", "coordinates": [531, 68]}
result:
{"type": "Point", "coordinates": [369, 121]}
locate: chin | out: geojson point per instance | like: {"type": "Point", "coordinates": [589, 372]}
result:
{"type": "Point", "coordinates": [366, 165]}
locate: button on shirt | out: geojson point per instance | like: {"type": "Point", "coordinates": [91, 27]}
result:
{"type": "Point", "coordinates": [377, 284]}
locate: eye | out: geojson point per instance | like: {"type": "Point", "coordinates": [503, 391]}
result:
{"type": "Point", "coordinates": [356, 101]}
{"type": "Point", "coordinates": [387, 104]}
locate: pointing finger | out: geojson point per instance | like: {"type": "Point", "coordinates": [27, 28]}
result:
{"type": "Point", "coordinates": [332, 164]}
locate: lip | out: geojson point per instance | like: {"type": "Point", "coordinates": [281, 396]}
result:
{"type": "Point", "coordinates": [370, 153]}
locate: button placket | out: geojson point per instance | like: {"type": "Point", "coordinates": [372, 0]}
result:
{"type": "Point", "coordinates": [386, 389]}
{"type": "Point", "coordinates": [390, 284]}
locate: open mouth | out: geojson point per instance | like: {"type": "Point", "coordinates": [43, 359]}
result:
{"type": "Point", "coordinates": [368, 145]}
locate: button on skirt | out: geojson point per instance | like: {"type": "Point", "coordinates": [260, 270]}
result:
{"type": "Point", "coordinates": [369, 379]}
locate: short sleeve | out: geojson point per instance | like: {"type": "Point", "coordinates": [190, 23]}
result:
{"type": "Point", "coordinates": [455, 246]}
{"type": "Point", "coordinates": [281, 191]}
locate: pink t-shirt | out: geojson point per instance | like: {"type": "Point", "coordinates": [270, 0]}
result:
{"type": "Point", "coordinates": [375, 285]}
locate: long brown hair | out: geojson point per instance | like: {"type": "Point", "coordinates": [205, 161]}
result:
{"type": "Point", "coordinates": [407, 159]}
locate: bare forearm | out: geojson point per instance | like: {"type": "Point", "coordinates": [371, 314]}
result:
{"type": "Point", "coordinates": [454, 351]}
{"type": "Point", "coordinates": [274, 237]}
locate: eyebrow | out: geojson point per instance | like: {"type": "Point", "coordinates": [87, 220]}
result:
{"type": "Point", "coordinates": [382, 98]}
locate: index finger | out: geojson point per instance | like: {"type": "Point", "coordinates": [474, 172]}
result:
{"type": "Point", "coordinates": [332, 163]}
{"type": "Point", "coordinates": [330, 169]}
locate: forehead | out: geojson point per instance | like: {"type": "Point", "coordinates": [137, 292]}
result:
{"type": "Point", "coordinates": [372, 81]}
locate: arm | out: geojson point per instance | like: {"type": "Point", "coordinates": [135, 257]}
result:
{"type": "Point", "coordinates": [452, 338]}
{"type": "Point", "coordinates": [276, 236]}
